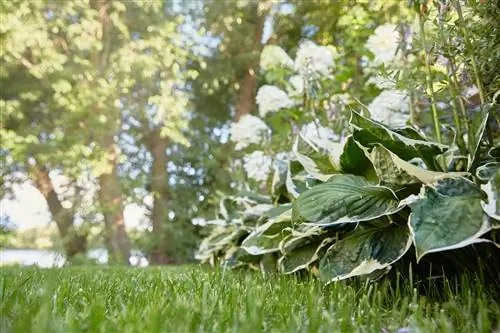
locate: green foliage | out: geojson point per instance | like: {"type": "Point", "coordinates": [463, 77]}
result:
{"type": "Point", "coordinates": [350, 226]}
{"type": "Point", "coordinates": [383, 195]}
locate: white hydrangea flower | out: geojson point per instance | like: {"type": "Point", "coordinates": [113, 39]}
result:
{"type": "Point", "coordinates": [313, 58]}
{"type": "Point", "coordinates": [274, 56]}
{"type": "Point", "coordinates": [296, 88]}
{"type": "Point", "coordinates": [257, 165]}
{"type": "Point", "coordinates": [390, 107]}
{"type": "Point", "coordinates": [383, 44]}
{"type": "Point", "coordinates": [271, 99]}
{"type": "Point", "coordinates": [324, 138]}
{"type": "Point", "coordinates": [318, 135]}
{"type": "Point", "coordinates": [249, 129]}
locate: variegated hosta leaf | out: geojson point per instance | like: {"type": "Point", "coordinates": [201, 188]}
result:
{"type": "Point", "coordinates": [354, 161]}
{"type": "Point", "coordinates": [304, 256]}
{"type": "Point", "coordinates": [298, 182]}
{"type": "Point", "coordinates": [232, 257]}
{"type": "Point", "coordinates": [491, 172]}
{"type": "Point", "coordinates": [246, 198]}
{"type": "Point", "coordinates": [278, 182]}
{"type": "Point", "coordinates": [495, 152]}
{"type": "Point", "coordinates": [267, 237]}
{"type": "Point", "coordinates": [255, 212]}
{"type": "Point", "coordinates": [276, 212]}
{"type": "Point", "coordinates": [219, 239]}
{"type": "Point", "coordinates": [343, 199]}
{"type": "Point", "coordinates": [364, 252]}
{"type": "Point", "coordinates": [300, 236]}
{"type": "Point", "coordinates": [317, 161]}
{"type": "Point", "coordinates": [487, 171]}
{"type": "Point", "coordinates": [405, 142]}
{"type": "Point", "coordinates": [478, 127]}
{"type": "Point", "coordinates": [396, 173]}
{"type": "Point", "coordinates": [447, 215]}
{"type": "Point", "coordinates": [269, 263]}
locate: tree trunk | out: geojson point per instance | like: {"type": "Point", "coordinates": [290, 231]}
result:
{"type": "Point", "coordinates": [248, 83]}
{"type": "Point", "coordinates": [110, 196]}
{"type": "Point", "coordinates": [110, 192]}
{"type": "Point", "coordinates": [73, 243]}
{"type": "Point", "coordinates": [159, 181]}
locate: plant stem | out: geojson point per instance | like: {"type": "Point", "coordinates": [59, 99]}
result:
{"type": "Point", "coordinates": [428, 79]}
{"type": "Point", "coordinates": [470, 50]}
{"type": "Point", "coordinates": [454, 92]}
{"type": "Point", "coordinates": [413, 113]}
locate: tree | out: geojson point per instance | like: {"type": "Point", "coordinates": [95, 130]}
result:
{"type": "Point", "coordinates": [87, 76]}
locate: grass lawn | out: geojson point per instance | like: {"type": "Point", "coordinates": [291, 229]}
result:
{"type": "Point", "coordinates": [195, 300]}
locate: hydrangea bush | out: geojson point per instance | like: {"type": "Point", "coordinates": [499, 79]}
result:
{"type": "Point", "coordinates": [343, 189]}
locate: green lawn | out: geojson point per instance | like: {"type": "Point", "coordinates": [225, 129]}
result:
{"type": "Point", "coordinates": [194, 300]}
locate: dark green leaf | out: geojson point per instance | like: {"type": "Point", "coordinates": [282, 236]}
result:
{"type": "Point", "coordinates": [344, 198]}
{"type": "Point", "coordinates": [447, 215]}
{"type": "Point", "coordinates": [406, 143]}
{"type": "Point", "coordinates": [364, 252]}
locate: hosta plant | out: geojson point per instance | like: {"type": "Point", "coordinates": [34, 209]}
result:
{"type": "Point", "coordinates": [388, 193]}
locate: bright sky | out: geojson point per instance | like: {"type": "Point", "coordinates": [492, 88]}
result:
{"type": "Point", "coordinates": [29, 209]}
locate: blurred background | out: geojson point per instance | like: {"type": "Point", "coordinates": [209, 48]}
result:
{"type": "Point", "coordinates": [115, 115]}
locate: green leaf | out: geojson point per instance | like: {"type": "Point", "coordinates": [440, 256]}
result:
{"type": "Point", "coordinates": [304, 256]}
{"type": "Point", "coordinates": [494, 152]}
{"type": "Point", "coordinates": [251, 198]}
{"type": "Point", "coordinates": [478, 128]}
{"type": "Point", "coordinates": [344, 198]}
{"type": "Point", "coordinates": [396, 173]}
{"type": "Point", "coordinates": [364, 252]}
{"type": "Point", "coordinates": [276, 212]}
{"type": "Point", "coordinates": [405, 143]}
{"type": "Point", "coordinates": [267, 237]}
{"type": "Point", "coordinates": [487, 171]}
{"type": "Point", "coordinates": [318, 161]}
{"type": "Point", "coordinates": [354, 161]}
{"type": "Point", "coordinates": [254, 213]}
{"type": "Point", "coordinates": [491, 172]}
{"type": "Point", "coordinates": [219, 239]}
{"type": "Point", "coordinates": [302, 235]}
{"type": "Point", "coordinates": [447, 215]}
{"type": "Point", "coordinates": [278, 182]}
{"type": "Point", "coordinates": [299, 182]}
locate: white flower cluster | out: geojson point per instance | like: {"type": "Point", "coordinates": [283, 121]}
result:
{"type": "Point", "coordinates": [313, 58]}
{"type": "Point", "coordinates": [296, 87]}
{"type": "Point", "coordinates": [383, 44]}
{"type": "Point", "coordinates": [390, 107]}
{"type": "Point", "coordinates": [317, 134]}
{"type": "Point", "coordinates": [271, 99]}
{"type": "Point", "coordinates": [274, 56]}
{"type": "Point", "coordinates": [249, 129]}
{"type": "Point", "coordinates": [324, 138]}
{"type": "Point", "coordinates": [257, 165]}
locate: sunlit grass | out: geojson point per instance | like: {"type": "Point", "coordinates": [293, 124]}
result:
{"type": "Point", "coordinates": [194, 300]}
